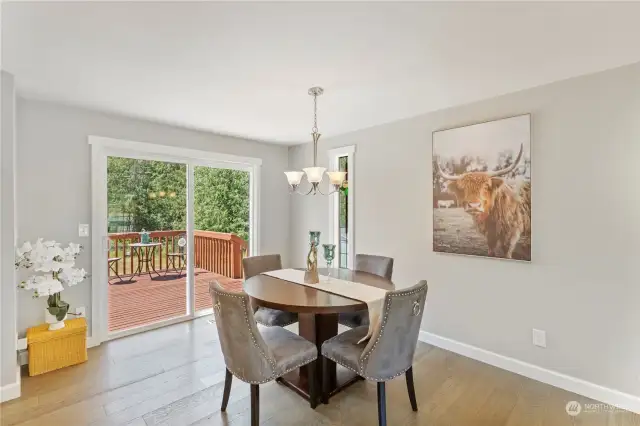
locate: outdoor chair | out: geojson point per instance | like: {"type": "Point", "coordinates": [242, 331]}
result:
{"type": "Point", "coordinates": [180, 257]}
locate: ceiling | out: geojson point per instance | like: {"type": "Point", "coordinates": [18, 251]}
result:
{"type": "Point", "coordinates": [243, 69]}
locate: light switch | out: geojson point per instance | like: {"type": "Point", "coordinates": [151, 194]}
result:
{"type": "Point", "coordinates": [83, 230]}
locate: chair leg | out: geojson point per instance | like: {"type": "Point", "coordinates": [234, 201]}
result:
{"type": "Point", "coordinates": [228, 378]}
{"type": "Point", "coordinates": [382, 405]}
{"type": "Point", "coordinates": [325, 380]}
{"type": "Point", "coordinates": [255, 405]}
{"type": "Point", "coordinates": [412, 392]}
{"type": "Point", "coordinates": [312, 377]}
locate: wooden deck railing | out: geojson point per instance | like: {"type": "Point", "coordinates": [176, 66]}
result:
{"type": "Point", "coordinates": [213, 251]}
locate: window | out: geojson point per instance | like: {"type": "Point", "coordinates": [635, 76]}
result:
{"type": "Point", "coordinates": [341, 207]}
{"type": "Point", "coordinates": [343, 215]}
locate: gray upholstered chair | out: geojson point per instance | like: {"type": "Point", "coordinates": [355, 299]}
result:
{"type": "Point", "coordinates": [255, 357]}
{"type": "Point", "coordinates": [389, 352]}
{"type": "Point", "coordinates": [377, 265]}
{"type": "Point", "coordinates": [256, 265]}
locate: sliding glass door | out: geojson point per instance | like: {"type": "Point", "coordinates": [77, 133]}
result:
{"type": "Point", "coordinates": [165, 226]}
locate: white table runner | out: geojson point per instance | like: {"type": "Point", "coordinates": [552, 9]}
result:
{"type": "Point", "coordinates": [372, 296]}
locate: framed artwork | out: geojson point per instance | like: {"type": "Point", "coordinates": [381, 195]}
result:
{"type": "Point", "coordinates": [482, 189]}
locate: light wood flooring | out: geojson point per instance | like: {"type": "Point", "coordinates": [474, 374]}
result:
{"type": "Point", "coordinates": [174, 376]}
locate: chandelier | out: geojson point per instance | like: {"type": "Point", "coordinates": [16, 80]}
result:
{"type": "Point", "coordinates": [315, 173]}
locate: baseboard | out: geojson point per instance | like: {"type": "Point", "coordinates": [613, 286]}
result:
{"type": "Point", "coordinates": [92, 342]}
{"type": "Point", "coordinates": [572, 384]}
{"type": "Point", "coordinates": [11, 391]}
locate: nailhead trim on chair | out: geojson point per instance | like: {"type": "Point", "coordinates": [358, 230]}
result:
{"type": "Point", "coordinates": [365, 356]}
{"type": "Point", "coordinates": [272, 362]}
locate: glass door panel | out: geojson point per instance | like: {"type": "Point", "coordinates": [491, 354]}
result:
{"type": "Point", "coordinates": [221, 230]}
{"type": "Point", "coordinates": [147, 210]}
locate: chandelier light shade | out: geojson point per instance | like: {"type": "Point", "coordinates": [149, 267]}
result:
{"type": "Point", "coordinates": [336, 178]}
{"type": "Point", "coordinates": [294, 178]}
{"type": "Point", "coordinates": [315, 174]}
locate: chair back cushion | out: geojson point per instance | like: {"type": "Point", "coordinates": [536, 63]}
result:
{"type": "Point", "coordinates": [390, 350]}
{"type": "Point", "coordinates": [246, 354]}
{"type": "Point", "coordinates": [256, 265]}
{"type": "Point", "coordinates": [377, 265]}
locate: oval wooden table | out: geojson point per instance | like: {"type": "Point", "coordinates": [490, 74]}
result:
{"type": "Point", "coordinates": [317, 316]}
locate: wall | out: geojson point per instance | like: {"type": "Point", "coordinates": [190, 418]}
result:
{"type": "Point", "coordinates": [54, 188]}
{"type": "Point", "coordinates": [582, 286]}
{"type": "Point", "coordinates": [8, 360]}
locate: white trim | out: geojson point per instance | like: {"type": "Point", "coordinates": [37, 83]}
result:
{"type": "Point", "coordinates": [173, 151]}
{"type": "Point", "coordinates": [12, 390]}
{"type": "Point", "coordinates": [141, 329]}
{"type": "Point", "coordinates": [572, 384]}
{"type": "Point", "coordinates": [99, 291]}
{"type": "Point", "coordinates": [334, 232]}
{"type": "Point", "coordinates": [191, 283]}
{"type": "Point", "coordinates": [103, 147]}
{"type": "Point", "coordinates": [341, 151]}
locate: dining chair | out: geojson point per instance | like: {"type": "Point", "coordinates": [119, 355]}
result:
{"type": "Point", "coordinates": [389, 352]}
{"type": "Point", "coordinates": [256, 357]}
{"type": "Point", "coordinates": [377, 265]}
{"type": "Point", "coordinates": [257, 265]}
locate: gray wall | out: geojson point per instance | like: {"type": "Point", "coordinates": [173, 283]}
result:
{"type": "Point", "coordinates": [582, 286]}
{"type": "Point", "coordinates": [7, 233]}
{"type": "Point", "coordinates": [54, 189]}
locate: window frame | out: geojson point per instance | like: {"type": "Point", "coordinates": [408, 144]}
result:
{"type": "Point", "coordinates": [334, 204]}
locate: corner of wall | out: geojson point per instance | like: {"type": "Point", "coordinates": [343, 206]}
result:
{"type": "Point", "coordinates": [8, 358]}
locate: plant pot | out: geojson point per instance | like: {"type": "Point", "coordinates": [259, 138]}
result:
{"type": "Point", "coordinates": [53, 322]}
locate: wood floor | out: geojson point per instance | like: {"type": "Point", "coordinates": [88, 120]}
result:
{"type": "Point", "coordinates": [174, 376]}
{"type": "Point", "coordinates": [147, 300]}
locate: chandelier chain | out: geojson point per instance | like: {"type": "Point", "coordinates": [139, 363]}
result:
{"type": "Point", "coordinates": [315, 114]}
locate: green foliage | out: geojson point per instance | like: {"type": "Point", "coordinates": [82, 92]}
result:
{"type": "Point", "coordinates": [221, 201]}
{"type": "Point", "coordinates": [152, 196]}
{"type": "Point", "coordinates": [57, 307]}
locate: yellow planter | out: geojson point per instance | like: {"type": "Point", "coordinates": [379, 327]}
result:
{"type": "Point", "coordinates": [51, 350]}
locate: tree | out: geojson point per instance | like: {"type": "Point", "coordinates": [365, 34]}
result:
{"type": "Point", "coordinates": [153, 195]}
{"type": "Point", "coordinates": [221, 200]}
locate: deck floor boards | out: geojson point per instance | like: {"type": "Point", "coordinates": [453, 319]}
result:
{"type": "Point", "coordinates": [147, 300]}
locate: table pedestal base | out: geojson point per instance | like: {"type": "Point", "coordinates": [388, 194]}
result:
{"type": "Point", "coordinates": [317, 328]}
{"type": "Point", "coordinates": [297, 382]}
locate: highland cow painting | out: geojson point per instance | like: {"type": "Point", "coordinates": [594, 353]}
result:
{"type": "Point", "coordinates": [482, 189]}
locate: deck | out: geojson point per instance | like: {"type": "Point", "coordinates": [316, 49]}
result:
{"type": "Point", "coordinates": [145, 300]}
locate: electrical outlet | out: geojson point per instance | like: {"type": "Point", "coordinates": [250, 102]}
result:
{"type": "Point", "coordinates": [81, 311]}
{"type": "Point", "coordinates": [83, 230]}
{"type": "Point", "coordinates": [540, 338]}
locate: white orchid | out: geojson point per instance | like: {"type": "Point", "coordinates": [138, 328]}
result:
{"type": "Point", "coordinates": [43, 285]}
{"type": "Point", "coordinates": [56, 263]}
{"type": "Point", "coordinates": [72, 276]}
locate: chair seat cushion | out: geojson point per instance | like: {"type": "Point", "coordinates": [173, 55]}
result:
{"type": "Point", "coordinates": [289, 350]}
{"type": "Point", "coordinates": [354, 319]}
{"type": "Point", "coordinates": [274, 317]}
{"type": "Point", "coordinates": [345, 349]}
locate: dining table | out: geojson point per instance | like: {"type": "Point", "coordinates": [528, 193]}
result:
{"type": "Point", "coordinates": [318, 313]}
